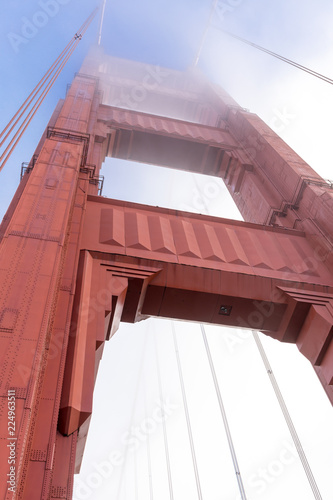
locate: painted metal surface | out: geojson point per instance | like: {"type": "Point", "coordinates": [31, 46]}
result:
{"type": "Point", "coordinates": [63, 252]}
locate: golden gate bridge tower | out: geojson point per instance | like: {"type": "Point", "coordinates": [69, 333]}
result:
{"type": "Point", "coordinates": [61, 244]}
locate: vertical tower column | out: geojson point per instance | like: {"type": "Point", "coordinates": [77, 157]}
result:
{"type": "Point", "coordinates": [280, 188]}
{"type": "Point", "coordinates": [38, 262]}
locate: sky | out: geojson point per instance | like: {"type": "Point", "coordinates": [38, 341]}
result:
{"type": "Point", "coordinates": [126, 432]}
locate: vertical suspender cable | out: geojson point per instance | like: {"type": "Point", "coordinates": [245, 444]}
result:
{"type": "Point", "coordinates": [125, 486]}
{"type": "Point", "coordinates": [143, 354]}
{"type": "Point", "coordinates": [150, 479]}
{"type": "Point", "coordinates": [165, 435]}
{"type": "Point", "coordinates": [101, 24]}
{"type": "Point", "coordinates": [224, 416]}
{"type": "Point", "coordinates": [287, 417]}
{"type": "Point", "coordinates": [204, 35]}
{"type": "Point", "coordinates": [187, 415]}
{"type": "Point", "coordinates": [136, 488]}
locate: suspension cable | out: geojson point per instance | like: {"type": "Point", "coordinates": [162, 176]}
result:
{"type": "Point", "coordinates": [46, 76]}
{"type": "Point", "coordinates": [150, 478]}
{"type": "Point", "coordinates": [289, 422]}
{"type": "Point", "coordinates": [17, 136]}
{"type": "Point", "coordinates": [44, 79]}
{"type": "Point", "coordinates": [259, 47]}
{"type": "Point", "coordinates": [278, 56]}
{"type": "Point", "coordinates": [33, 93]}
{"type": "Point", "coordinates": [136, 486]}
{"type": "Point", "coordinates": [224, 415]}
{"type": "Point", "coordinates": [46, 82]}
{"type": "Point", "coordinates": [204, 34]}
{"type": "Point", "coordinates": [187, 414]}
{"type": "Point", "coordinates": [165, 434]}
{"type": "Point", "coordinates": [39, 101]}
{"type": "Point", "coordinates": [101, 24]}
{"type": "Point", "coordinates": [134, 406]}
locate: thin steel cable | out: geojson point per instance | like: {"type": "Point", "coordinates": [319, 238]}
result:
{"type": "Point", "coordinates": [187, 414]}
{"type": "Point", "coordinates": [136, 486]}
{"type": "Point", "coordinates": [11, 146]}
{"type": "Point", "coordinates": [150, 478]}
{"type": "Point", "coordinates": [17, 136]}
{"type": "Point", "coordinates": [288, 419]}
{"type": "Point", "coordinates": [101, 24]}
{"type": "Point", "coordinates": [278, 56]}
{"type": "Point", "coordinates": [138, 382]}
{"type": "Point", "coordinates": [204, 34]}
{"type": "Point", "coordinates": [165, 434]}
{"type": "Point", "coordinates": [19, 133]}
{"type": "Point", "coordinates": [16, 118]}
{"type": "Point", "coordinates": [259, 47]}
{"type": "Point", "coordinates": [224, 415]}
{"type": "Point", "coordinates": [44, 78]}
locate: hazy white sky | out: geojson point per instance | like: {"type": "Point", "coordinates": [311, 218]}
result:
{"type": "Point", "coordinates": [125, 430]}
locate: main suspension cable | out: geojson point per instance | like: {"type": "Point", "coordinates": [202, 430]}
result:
{"type": "Point", "coordinates": [278, 56]}
{"type": "Point", "coordinates": [38, 94]}
{"type": "Point", "coordinates": [289, 422]}
{"type": "Point", "coordinates": [224, 415]}
{"type": "Point", "coordinates": [33, 93]}
{"type": "Point", "coordinates": [187, 414]}
{"type": "Point", "coordinates": [259, 47]}
{"type": "Point", "coordinates": [46, 76]}
{"type": "Point", "coordinates": [17, 136]}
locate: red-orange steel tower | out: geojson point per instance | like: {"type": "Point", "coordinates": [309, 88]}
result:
{"type": "Point", "coordinates": [73, 264]}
